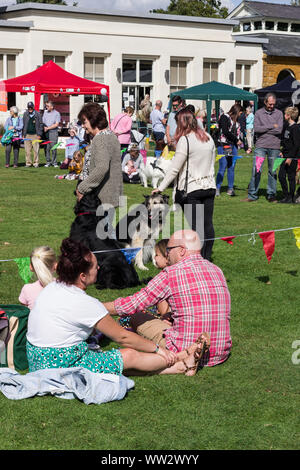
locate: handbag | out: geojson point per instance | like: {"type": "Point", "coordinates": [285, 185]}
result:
{"type": "Point", "coordinates": [181, 194]}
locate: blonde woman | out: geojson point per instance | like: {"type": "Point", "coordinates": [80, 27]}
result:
{"type": "Point", "coordinates": [42, 264]}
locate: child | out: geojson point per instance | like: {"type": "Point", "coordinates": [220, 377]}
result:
{"type": "Point", "coordinates": [249, 128]}
{"type": "Point", "coordinates": [42, 264]}
{"type": "Point", "coordinates": [290, 151]}
{"type": "Point", "coordinates": [161, 310]}
{"type": "Point", "coordinates": [72, 145]}
{"type": "Point", "coordinates": [75, 167]}
{"type": "Point", "coordinates": [159, 146]}
{"type": "Point", "coordinates": [161, 262]}
{"type": "Point", "coordinates": [131, 174]}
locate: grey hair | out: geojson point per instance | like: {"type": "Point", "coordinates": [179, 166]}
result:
{"type": "Point", "coordinates": [14, 109]}
{"type": "Point", "coordinates": [269, 95]}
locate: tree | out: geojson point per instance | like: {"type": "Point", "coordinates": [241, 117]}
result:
{"type": "Point", "coordinates": [210, 8]}
{"type": "Point", "coordinates": [295, 3]}
{"type": "Point", "coordinates": [56, 2]}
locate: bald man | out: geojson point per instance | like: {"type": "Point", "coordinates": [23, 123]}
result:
{"type": "Point", "coordinates": [199, 299]}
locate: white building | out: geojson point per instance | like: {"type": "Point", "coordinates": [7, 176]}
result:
{"type": "Point", "coordinates": [134, 55]}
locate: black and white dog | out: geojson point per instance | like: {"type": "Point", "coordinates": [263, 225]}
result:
{"type": "Point", "coordinates": [142, 226]}
{"type": "Point", "coordinates": [114, 271]}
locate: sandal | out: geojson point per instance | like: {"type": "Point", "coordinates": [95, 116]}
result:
{"type": "Point", "coordinates": [204, 345]}
{"type": "Point", "coordinates": [203, 338]}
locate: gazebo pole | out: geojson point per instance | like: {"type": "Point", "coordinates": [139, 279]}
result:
{"type": "Point", "coordinates": [208, 113]}
{"type": "Point", "coordinates": [37, 100]}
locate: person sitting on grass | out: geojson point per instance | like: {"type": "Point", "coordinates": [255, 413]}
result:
{"type": "Point", "coordinates": [130, 165]}
{"type": "Point", "coordinates": [290, 151]}
{"type": "Point", "coordinates": [75, 167]}
{"type": "Point", "coordinates": [197, 293]}
{"type": "Point", "coordinates": [162, 309]}
{"type": "Point", "coordinates": [64, 316]}
{"type": "Point", "coordinates": [72, 145]}
{"type": "Point", "coordinates": [42, 264]}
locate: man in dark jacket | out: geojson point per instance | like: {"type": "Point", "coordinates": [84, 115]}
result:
{"type": "Point", "coordinates": [32, 130]}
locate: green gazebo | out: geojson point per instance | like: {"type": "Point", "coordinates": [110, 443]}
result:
{"type": "Point", "coordinates": [215, 91]}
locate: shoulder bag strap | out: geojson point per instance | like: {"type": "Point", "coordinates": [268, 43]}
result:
{"type": "Point", "coordinates": [187, 167]}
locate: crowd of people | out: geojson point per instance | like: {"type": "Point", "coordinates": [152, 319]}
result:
{"type": "Point", "coordinates": [190, 324]}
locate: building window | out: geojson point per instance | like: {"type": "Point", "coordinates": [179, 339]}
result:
{"type": "Point", "coordinates": [210, 71]}
{"type": "Point", "coordinates": [137, 77]}
{"type": "Point", "coordinates": [247, 26]}
{"type": "Point", "coordinates": [177, 75]}
{"type": "Point", "coordinates": [8, 70]}
{"type": "Point", "coordinates": [243, 75]}
{"type": "Point", "coordinates": [270, 25]}
{"type": "Point", "coordinates": [295, 28]}
{"type": "Point", "coordinates": [93, 70]}
{"type": "Point", "coordinates": [282, 26]}
{"type": "Point", "coordinates": [257, 25]}
{"type": "Point", "coordinates": [7, 66]}
{"type": "Point", "coordinates": [58, 59]}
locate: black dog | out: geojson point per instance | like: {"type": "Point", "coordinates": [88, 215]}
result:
{"type": "Point", "coordinates": [114, 271]}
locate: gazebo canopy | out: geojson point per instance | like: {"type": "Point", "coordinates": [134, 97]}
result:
{"type": "Point", "coordinates": [215, 91]}
{"type": "Point", "coordinates": [50, 78]}
{"type": "Point", "coordinates": [286, 91]}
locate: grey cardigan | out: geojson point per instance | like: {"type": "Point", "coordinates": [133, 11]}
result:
{"type": "Point", "coordinates": [105, 169]}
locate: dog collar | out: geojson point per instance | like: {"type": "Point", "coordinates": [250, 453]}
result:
{"type": "Point", "coordinates": [86, 213]}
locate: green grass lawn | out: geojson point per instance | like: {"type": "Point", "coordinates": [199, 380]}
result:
{"type": "Point", "coordinates": [249, 402]}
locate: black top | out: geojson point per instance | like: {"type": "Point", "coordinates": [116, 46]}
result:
{"type": "Point", "coordinates": [290, 140]}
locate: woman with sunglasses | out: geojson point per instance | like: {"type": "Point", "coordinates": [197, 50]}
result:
{"type": "Point", "coordinates": [195, 146]}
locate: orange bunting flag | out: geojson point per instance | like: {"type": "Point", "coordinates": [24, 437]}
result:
{"type": "Point", "coordinates": [228, 240]}
{"type": "Point", "coordinates": [268, 239]}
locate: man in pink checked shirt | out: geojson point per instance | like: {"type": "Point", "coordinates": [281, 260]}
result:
{"type": "Point", "coordinates": [198, 296]}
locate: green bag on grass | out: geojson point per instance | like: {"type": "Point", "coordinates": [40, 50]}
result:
{"type": "Point", "coordinates": [13, 329]}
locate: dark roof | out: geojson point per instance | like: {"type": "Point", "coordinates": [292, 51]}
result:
{"type": "Point", "coordinates": [281, 45]}
{"type": "Point", "coordinates": [274, 10]}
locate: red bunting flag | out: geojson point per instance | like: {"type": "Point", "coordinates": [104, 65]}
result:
{"type": "Point", "coordinates": [228, 240]}
{"type": "Point", "coordinates": [268, 239]}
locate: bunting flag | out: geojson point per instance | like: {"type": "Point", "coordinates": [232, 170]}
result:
{"type": "Point", "coordinates": [258, 162]}
{"type": "Point", "coordinates": [130, 253]}
{"type": "Point", "coordinates": [36, 140]}
{"type": "Point", "coordinates": [228, 240]}
{"type": "Point", "coordinates": [55, 146]}
{"type": "Point", "coordinates": [69, 145]}
{"type": "Point", "coordinates": [47, 142]}
{"type": "Point", "coordinates": [297, 236]}
{"type": "Point", "coordinates": [218, 157]}
{"type": "Point", "coordinates": [268, 239]}
{"type": "Point", "coordinates": [144, 155]}
{"type": "Point", "coordinates": [277, 163]}
{"type": "Point", "coordinates": [157, 153]}
{"type": "Point", "coordinates": [24, 269]}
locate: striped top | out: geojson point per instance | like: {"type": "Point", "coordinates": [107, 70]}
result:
{"type": "Point", "coordinates": [197, 293]}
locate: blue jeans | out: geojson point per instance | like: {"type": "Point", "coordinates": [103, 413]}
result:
{"type": "Point", "coordinates": [271, 154]}
{"type": "Point", "coordinates": [229, 163]}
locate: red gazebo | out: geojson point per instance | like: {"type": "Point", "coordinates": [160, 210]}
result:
{"type": "Point", "coordinates": [52, 79]}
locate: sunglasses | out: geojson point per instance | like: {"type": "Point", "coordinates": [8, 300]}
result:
{"type": "Point", "coordinates": [175, 105]}
{"type": "Point", "coordinates": [169, 248]}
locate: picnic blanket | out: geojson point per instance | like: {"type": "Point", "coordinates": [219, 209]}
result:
{"type": "Point", "coordinates": [74, 382]}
